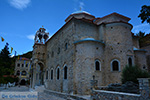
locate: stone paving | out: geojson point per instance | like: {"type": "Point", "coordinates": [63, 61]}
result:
{"type": "Point", "coordinates": [44, 96]}
{"type": "Point", "coordinates": [17, 89]}
{"type": "Point", "coordinates": [41, 94]}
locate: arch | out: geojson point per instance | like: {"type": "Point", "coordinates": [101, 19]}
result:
{"type": "Point", "coordinates": [66, 46]}
{"type": "Point", "coordinates": [52, 74]}
{"type": "Point", "coordinates": [130, 61]}
{"type": "Point", "coordinates": [41, 71]}
{"type": "Point", "coordinates": [23, 82]}
{"type": "Point", "coordinates": [24, 73]}
{"type": "Point", "coordinates": [40, 63]}
{"type": "Point", "coordinates": [144, 67]}
{"type": "Point", "coordinates": [65, 72]}
{"type": "Point", "coordinates": [58, 73]}
{"type": "Point", "coordinates": [58, 50]}
{"type": "Point", "coordinates": [52, 54]}
{"type": "Point", "coordinates": [97, 65]}
{"type": "Point", "coordinates": [18, 73]}
{"type": "Point", "coordinates": [129, 52]}
{"type": "Point", "coordinates": [115, 65]}
{"type": "Point", "coordinates": [18, 65]}
{"type": "Point", "coordinates": [46, 74]}
{"type": "Point", "coordinates": [26, 65]}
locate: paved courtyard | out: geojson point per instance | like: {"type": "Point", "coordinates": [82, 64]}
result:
{"type": "Point", "coordinates": [41, 94]}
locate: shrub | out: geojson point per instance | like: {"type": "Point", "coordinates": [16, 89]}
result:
{"type": "Point", "coordinates": [131, 73]}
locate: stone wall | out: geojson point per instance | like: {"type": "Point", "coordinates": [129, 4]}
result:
{"type": "Point", "coordinates": [140, 59]}
{"type": "Point", "coordinates": [136, 42]}
{"type": "Point", "coordinates": [147, 48]}
{"type": "Point", "coordinates": [86, 54]}
{"type": "Point", "coordinates": [111, 95]}
{"type": "Point", "coordinates": [107, 95]}
{"type": "Point", "coordinates": [118, 46]}
{"type": "Point", "coordinates": [58, 56]}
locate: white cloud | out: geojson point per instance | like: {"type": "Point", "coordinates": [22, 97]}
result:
{"type": "Point", "coordinates": [142, 27]}
{"type": "Point", "coordinates": [78, 4]}
{"type": "Point", "coordinates": [19, 4]}
{"type": "Point", "coordinates": [81, 5]}
{"type": "Point", "coordinates": [12, 55]}
{"type": "Point", "coordinates": [31, 37]}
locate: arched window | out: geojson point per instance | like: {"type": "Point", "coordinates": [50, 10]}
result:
{"type": "Point", "coordinates": [58, 72]}
{"type": "Point", "coordinates": [52, 55]}
{"type": "Point", "coordinates": [144, 67]}
{"type": "Point", "coordinates": [66, 46]}
{"type": "Point", "coordinates": [58, 50]}
{"type": "Point", "coordinates": [115, 65]}
{"type": "Point", "coordinates": [47, 74]}
{"type": "Point", "coordinates": [97, 65]}
{"type": "Point", "coordinates": [18, 65]}
{"type": "Point", "coordinates": [22, 65]}
{"type": "Point", "coordinates": [26, 65]}
{"type": "Point", "coordinates": [51, 74]}
{"type": "Point", "coordinates": [18, 72]}
{"type": "Point", "coordinates": [24, 73]}
{"type": "Point", "coordinates": [130, 61]}
{"type": "Point", "coordinates": [65, 72]}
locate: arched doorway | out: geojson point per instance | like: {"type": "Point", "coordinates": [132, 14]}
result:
{"type": "Point", "coordinates": [23, 82]}
{"type": "Point", "coordinates": [41, 73]}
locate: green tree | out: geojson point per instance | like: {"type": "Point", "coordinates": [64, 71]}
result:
{"type": "Point", "coordinates": [6, 66]}
{"type": "Point", "coordinates": [131, 73]}
{"type": "Point", "coordinates": [140, 34]}
{"type": "Point", "coordinates": [5, 61]}
{"type": "Point", "coordinates": [145, 14]}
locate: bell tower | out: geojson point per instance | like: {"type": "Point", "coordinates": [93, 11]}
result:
{"type": "Point", "coordinates": [39, 57]}
{"type": "Point", "coordinates": [41, 36]}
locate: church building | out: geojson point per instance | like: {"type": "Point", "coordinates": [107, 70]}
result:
{"type": "Point", "coordinates": [85, 46]}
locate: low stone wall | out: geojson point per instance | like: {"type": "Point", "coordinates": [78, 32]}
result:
{"type": "Point", "coordinates": [110, 95]}
{"type": "Point", "coordinates": [144, 88]}
{"type": "Point", "coordinates": [65, 95]}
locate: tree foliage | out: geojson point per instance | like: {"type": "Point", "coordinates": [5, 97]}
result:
{"type": "Point", "coordinates": [27, 55]}
{"type": "Point", "coordinates": [6, 67]}
{"type": "Point", "coordinates": [145, 14]}
{"type": "Point", "coordinates": [5, 61]}
{"type": "Point", "coordinates": [131, 73]}
{"type": "Point", "coordinates": [140, 34]}
{"type": "Point", "coordinates": [144, 41]}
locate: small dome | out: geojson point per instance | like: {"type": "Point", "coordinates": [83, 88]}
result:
{"type": "Point", "coordinates": [88, 39]}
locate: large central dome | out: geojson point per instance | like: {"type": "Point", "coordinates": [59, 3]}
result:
{"type": "Point", "coordinates": [80, 15]}
{"type": "Point", "coordinates": [80, 11]}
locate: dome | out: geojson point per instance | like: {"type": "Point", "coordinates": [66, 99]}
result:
{"type": "Point", "coordinates": [80, 15]}
{"type": "Point", "coordinates": [80, 11]}
{"type": "Point", "coordinates": [88, 39]}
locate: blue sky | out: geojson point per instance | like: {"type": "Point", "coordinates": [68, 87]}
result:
{"type": "Point", "coordinates": [20, 19]}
